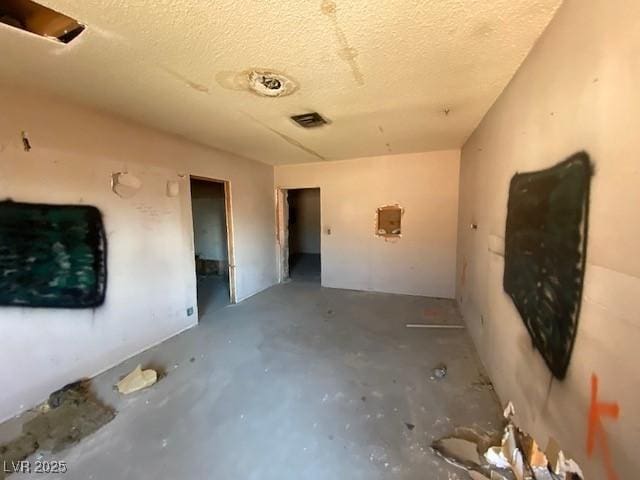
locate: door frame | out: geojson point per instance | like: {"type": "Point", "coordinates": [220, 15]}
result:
{"type": "Point", "coordinates": [228, 211]}
{"type": "Point", "coordinates": [282, 230]}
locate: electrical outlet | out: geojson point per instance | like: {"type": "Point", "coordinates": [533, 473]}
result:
{"type": "Point", "coordinates": [189, 311]}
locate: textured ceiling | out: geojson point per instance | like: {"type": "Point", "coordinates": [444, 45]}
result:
{"type": "Point", "coordinates": [392, 76]}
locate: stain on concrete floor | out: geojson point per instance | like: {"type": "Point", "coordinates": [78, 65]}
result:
{"type": "Point", "coordinates": [69, 415]}
{"type": "Point", "coordinates": [277, 388]}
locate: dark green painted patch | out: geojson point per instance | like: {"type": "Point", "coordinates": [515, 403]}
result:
{"type": "Point", "coordinates": [545, 252]}
{"type": "Point", "coordinates": [52, 255]}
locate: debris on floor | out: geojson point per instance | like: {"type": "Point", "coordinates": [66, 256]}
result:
{"type": "Point", "coordinates": [517, 457]}
{"type": "Point", "coordinates": [69, 415]}
{"type": "Point", "coordinates": [439, 372]}
{"type": "Point", "coordinates": [464, 452]}
{"type": "Point", "coordinates": [137, 380]}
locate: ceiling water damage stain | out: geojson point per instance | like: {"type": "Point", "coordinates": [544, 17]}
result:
{"type": "Point", "coordinates": [259, 81]}
{"type": "Point", "coordinates": [346, 52]}
{"type": "Point", "coordinates": [196, 86]}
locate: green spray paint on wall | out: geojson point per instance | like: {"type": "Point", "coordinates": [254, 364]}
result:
{"type": "Point", "coordinates": [52, 255]}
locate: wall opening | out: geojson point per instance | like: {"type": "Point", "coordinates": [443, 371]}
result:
{"type": "Point", "coordinates": [40, 20]}
{"type": "Point", "coordinates": [389, 221]}
{"type": "Point", "coordinates": [299, 234]}
{"type": "Point", "coordinates": [213, 244]}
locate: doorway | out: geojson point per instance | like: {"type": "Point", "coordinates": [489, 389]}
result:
{"type": "Point", "coordinates": [300, 235]}
{"type": "Point", "coordinates": [213, 245]}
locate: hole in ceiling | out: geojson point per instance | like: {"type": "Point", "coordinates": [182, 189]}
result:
{"type": "Point", "coordinates": [309, 120]}
{"type": "Point", "coordinates": [35, 18]}
{"type": "Point", "coordinates": [270, 84]}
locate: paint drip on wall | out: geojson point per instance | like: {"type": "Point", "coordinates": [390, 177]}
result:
{"type": "Point", "coordinates": [545, 253]}
{"type": "Point", "coordinates": [52, 255]}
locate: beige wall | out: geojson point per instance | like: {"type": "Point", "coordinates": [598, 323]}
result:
{"type": "Point", "coordinates": [151, 280]}
{"type": "Point", "coordinates": [422, 262]}
{"type": "Point", "coordinates": [577, 90]}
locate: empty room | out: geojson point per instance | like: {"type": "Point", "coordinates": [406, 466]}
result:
{"type": "Point", "coordinates": [252, 240]}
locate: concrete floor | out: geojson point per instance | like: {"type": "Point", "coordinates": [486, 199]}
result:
{"type": "Point", "coordinates": [297, 382]}
{"type": "Point", "coordinates": [213, 293]}
{"type": "Point", "coordinates": [305, 267]}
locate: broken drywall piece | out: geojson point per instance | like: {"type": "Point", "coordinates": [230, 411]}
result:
{"type": "Point", "coordinates": [495, 458]}
{"type": "Point", "coordinates": [496, 476]}
{"type": "Point", "coordinates": [125, 184]}
{"type": "Point", "coordinates": [477, 475]}
{"type": "Point", "coordinates": [509, 411]}
{"type": "Point", "coordinates": [517, 457]}
{"type": "Point", "coordinates": [137, 380]}
{"type": "Point", "coordinates": [566, 468]}
{"type": "Point", "coordinates": [458, 451]}
{"type": "Point", "coordinates": [532, 453]}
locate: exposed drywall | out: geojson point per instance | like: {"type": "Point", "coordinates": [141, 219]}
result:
{"type": "Point", "coordinates": [209, 226]}
{"type": "Point", "coordinates": [150, 259]}
{"type": "Point", "coordinates": [304, 220]}
{"type": "Point", "coordinates": [424, 72]}
{"type": "Point", "coordinates": [422, 261]}
{"type": "Point", "coordinates": [576, 91]}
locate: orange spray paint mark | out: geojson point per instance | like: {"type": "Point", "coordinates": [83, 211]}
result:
{"type": "Point", "coordinates": [596, 431]}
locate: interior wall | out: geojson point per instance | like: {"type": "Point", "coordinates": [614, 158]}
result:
{"type": "Point", "coordinates": [577, 90]}
{"type": "Point", "coordinates": [304, 220]}
{"type": "Point", "coordinates": [209, 224]}
{"type": "Point", "coordinates": [150, 281]}
{"type": "Point", "coordinates": [422, 262]}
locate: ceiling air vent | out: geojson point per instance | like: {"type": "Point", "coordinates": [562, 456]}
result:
{"type": "Point", "coordinates": [309, 120]}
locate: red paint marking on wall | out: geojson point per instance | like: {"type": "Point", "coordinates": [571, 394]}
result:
{"type": "Point", "coordinates": [431, 312]}
{"type": "Point", "coordinates": [597, 411]}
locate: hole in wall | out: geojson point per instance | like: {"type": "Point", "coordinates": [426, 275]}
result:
{"type": "Point", "coordinates": [389, 221]}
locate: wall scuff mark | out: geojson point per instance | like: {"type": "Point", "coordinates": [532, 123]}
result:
{"type": "Point", "coordinates": [545, 254]}
{"type": "Point", "coordinates": [26, 144]}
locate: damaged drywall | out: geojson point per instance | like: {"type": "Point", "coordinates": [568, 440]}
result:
{"type": "Point", "coordinates": [263, 82]}
{"type": "Point", "coordinates": [389, 221]}
{"type": "Point", "coordinates": [513, 456]}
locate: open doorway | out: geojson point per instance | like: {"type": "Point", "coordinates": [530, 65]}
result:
{"type": "Point", "coordinates": [300, 251]}
{"type": "Point", "coordinates": [213, 246]}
